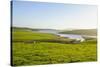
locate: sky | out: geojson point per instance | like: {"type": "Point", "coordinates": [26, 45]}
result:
{"type": "Point", "coordinates": [53, 15]}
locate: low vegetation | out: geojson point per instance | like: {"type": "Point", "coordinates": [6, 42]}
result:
{"type": "Point", "coordinates": [91, 32]}
{"type": "Point", "coordinates": [32, 48]}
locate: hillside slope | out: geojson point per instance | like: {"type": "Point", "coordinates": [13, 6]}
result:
{"type": "Point", "coordinates": [92, 32]}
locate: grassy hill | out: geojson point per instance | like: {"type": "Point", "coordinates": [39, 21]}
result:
{"type": "Point", "coordinates": [27, 35]}
{"type": "Point", "coordinates": [82, 32]}
{"type": "Point", "coordinates": [30, 53]}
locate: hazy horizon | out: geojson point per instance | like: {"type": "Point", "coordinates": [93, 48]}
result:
{"type": "Point", "coordinates": [56, 29]}
{"type": "Point", "coordinates": [54, 15]}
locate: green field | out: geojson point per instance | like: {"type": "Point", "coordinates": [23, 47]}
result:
{"type": "Point", "coordinates": [34, 48]}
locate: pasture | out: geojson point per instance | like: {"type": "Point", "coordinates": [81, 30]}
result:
{"type": "Point", "coordinates": [49, 49]}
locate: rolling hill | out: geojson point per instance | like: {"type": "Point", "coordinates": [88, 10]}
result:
{"type": "Point", "coordinates": [92, 32]}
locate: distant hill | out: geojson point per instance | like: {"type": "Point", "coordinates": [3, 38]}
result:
{"type": "Point", "coordinates": [23, 29]}
{"type": "Point", "coordinates": [92, 32]}
{"type": "Point", "coordinates": [31, 29]}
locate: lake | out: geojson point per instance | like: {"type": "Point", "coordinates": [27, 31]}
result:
{"type": "Point", "coordinates": [70, 36]}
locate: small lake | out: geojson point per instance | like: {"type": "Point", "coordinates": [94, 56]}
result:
{"type": "Point", "coordinates": [70, 36]}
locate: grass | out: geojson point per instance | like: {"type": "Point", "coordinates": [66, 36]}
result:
{"type": "Point", "coordinates": [28, 35]}
{"type": "Point", "coordinates": [49, 52]}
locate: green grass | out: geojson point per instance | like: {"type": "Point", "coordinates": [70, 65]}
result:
{"type": "Point", "coordinates": [28, 35]}
{"type": "Point", "coordinates": [36, 36]}
{"type": "Point", "coordinates": [49, 52]}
